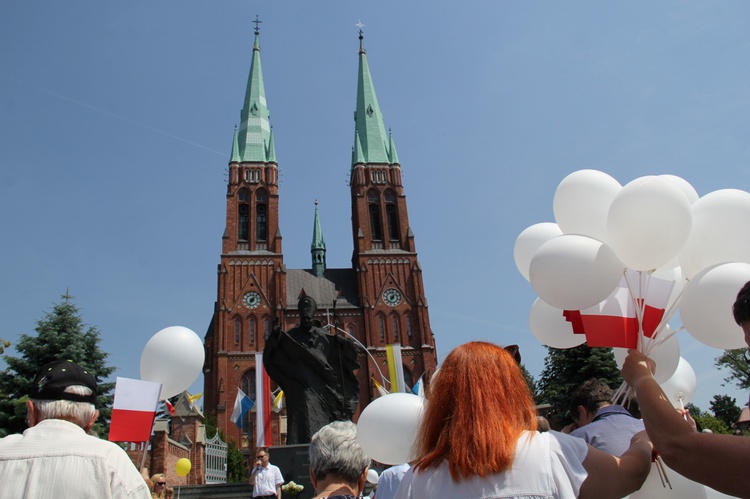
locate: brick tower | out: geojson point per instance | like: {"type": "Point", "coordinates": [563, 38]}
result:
{"type": "Point", "coordinates": [379, 300]}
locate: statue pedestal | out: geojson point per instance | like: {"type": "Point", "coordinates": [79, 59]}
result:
{"type": "Point", "coordinates": [294, 463]}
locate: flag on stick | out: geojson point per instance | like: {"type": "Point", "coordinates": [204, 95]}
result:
{"type": "Point", "coordinates": [262, 402]}
{"type": "Point", "coordinates": [615, 321]}
{"type": "Point", "coordinates": [193, 399]}
{"type": "Point", "coordinates": [169, 407]}
{"type": "Point", "coordinates": [418, 388]}
{"type": "Point", "coordinates": [242, 404]}
{"type": "Point", "coordinates": [382, 391]}
{"type": "Point", "coordinates": [278, 401]}
{"type": "Point", "coordinates": [395, 369]}
{"type": "Point", "coordinates": [134, 410]}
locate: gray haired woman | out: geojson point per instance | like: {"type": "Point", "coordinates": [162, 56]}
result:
{"type": "Point", "coordinates": [338, 465]}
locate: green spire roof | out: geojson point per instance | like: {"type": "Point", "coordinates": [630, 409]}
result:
{"type": "Point", "coordinates": [255, 129]}
{"type": "Point", "coordinates": [357, 156]}
{"type": "Point", "coordinates": [317, 241]}
{"type": "Point", "coordinates": [271, 153]}
{"type": "Point", "coordinates": [318, 247]}
{"type": "Point", "coordinates": [369, 129]}
{"type": "Point", "coordinates": [392, 149]}
{"type": "Point", "coordinates": [235, 148]}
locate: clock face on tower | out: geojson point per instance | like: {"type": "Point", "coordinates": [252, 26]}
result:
{"type": "Point", "coordinates": [391, 297]}
{"type": "Point", "coordinates": [251, 299]}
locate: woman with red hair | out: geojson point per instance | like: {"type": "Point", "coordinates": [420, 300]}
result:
{"type": "Point", "coordinates": [478, 440]}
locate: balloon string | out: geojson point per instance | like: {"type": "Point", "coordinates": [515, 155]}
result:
{"type": "Point", "coordinates": [636, 305]}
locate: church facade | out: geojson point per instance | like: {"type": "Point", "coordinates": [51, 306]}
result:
{"type": "Point", "coordinates": [378, 301]}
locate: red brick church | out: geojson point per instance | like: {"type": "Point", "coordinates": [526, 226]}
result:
{"type": "Point", "coordinates": [379, 300]}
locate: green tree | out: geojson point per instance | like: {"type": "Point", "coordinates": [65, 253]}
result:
{"type": "Point", "coordinates": [60, 335]}
{"type": "Point", "coordinates": [739, 369]}
{"type": "Point", "coordinates": [708, 422]}
{"type": "Point", "coordinates": [725, 409]}
{"type": "Point", "coordinates": [529, 380]}
{"type": "Point", "coordinates": [565, 369]}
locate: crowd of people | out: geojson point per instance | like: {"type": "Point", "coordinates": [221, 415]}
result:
{"type": "Point", "coordinates": [470, 442]}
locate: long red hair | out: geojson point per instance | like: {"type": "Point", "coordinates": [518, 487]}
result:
{"type": "Point", "coordinates": [478, 406]}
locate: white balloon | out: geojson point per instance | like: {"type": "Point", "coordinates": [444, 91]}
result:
{"type": "Point", "coordinates": [529, 241]}
{"type": "Point", "coordinates": [716, 236]}
{"type": "Point", "coordinates": [372, 476]}
{"type": "Point", "coordinates": [550, 327]}
{"type": "Point", "coordinates": [572, 272]}
{"type": "Point", "coordinates": [173, 357]}
{"type": "Point", "coordinates": [706, 305]}
{"type": "Point", "coordinates": [648, 222]}
{"type": "Point", "coordinates": [682, 488]}
{"type": "Point", "coordinates": [582, 201]}
{"type": "Point", "coordinates": [388, 426]}
{"type": "Point", "coordinates": [683, 184]}
{"type": "Point", "coordinates": [680, 387]}
{"type": "Point", "coordinates": [666, 356]}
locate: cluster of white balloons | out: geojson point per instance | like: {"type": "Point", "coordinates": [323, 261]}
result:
{"type": "Point", "coordinates": [656, 225]}
{"type": "Point", "coordinates": [173, 357]}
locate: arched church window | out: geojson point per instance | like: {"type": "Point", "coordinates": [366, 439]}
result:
{"type": "Point", "coordinates": [391, 215]}
{"type": "Point", "coordinates": [237, 329]}
{"type": "Point", "coordinates": [394, 320]}
{"type": "Point", "coordinates": [375, 230]}
{"type": "Point", "coordinates": [251, 330]}
{"type": "Point", "coordinates": [381, 328]}
{"type": "Point", "coordinates": [408, 377]}
{"type": "Point", "coordinates": [408, 327]}
{"type": "Point", "coordinates": [243, 214]}
{"type": "Point", "coordinates": [261, 217]}
{"type": "Point", "coordinates": [266, 328]}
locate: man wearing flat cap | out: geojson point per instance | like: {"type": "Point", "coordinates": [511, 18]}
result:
{"type": "Point", "coordinates": [55, 456]}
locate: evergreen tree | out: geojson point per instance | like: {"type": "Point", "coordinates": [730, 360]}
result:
{"type": "Point", "coordinates": [565, 369]}
{"type": "Point", "coordinates": [60, 335]}
{"type": "Point", "coordinates": [739, 369]}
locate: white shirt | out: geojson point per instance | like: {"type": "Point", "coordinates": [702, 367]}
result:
{"type": "Point", "coordinates": [389, 481]}
{"type": "Point", "coordinates": [56, 458]}
{"type": "Point", "coordinates": [266, 481]}
{"type": "Point", "coordinates": [549, 465]}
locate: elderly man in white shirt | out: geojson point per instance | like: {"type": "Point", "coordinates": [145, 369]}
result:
{"type": "Point", "coordinates": [266, 478]}
{"type": "Point", "coordinates": [55, 456]}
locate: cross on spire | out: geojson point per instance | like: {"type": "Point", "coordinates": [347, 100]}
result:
{"type": "Point", "coordinates": [257, 22]}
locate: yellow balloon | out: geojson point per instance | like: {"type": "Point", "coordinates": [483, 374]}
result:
{"type": "Point", "coordinates": [183, 466]}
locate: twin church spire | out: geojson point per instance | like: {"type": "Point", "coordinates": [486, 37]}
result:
{"type": "Point", "coordinates": [253, 140]}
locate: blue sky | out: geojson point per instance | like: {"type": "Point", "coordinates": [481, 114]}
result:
{"type": "Point", "coordinates": [116, 122]}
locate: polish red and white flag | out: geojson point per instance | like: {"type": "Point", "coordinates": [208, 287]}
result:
{"type": "Point", "coordinates": [134, 410]}
{"type": "Point", "coordinates": [614, 321]}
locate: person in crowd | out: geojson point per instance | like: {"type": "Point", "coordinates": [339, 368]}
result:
{"type": "Point", "coordinates": [158, 491]}
{"type": "Point", "coordinates": [719, 461]}
{"type": "Point", "coordinates": [265, 478]}
{"type": "Point", "coordinates": [55, 456]}
{"type": "Point", "coordinates": [478, 438]}
{"type": "Point", "coordinates": [606, 426]}
{"type": "Point", "coordinates": [168, 492]}
{"type": "Point", "coordinates": [338, 465]}
{"type": "Point", "coordinates": [389, 480]}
